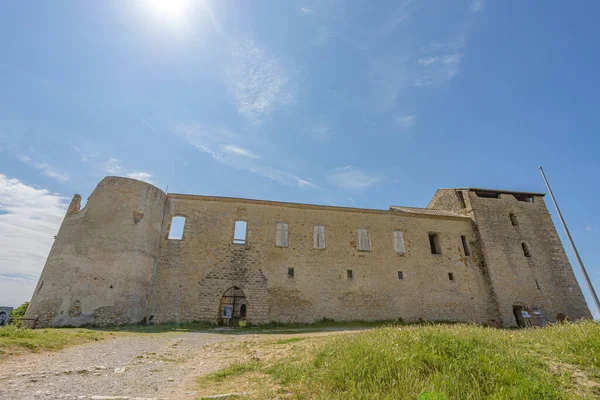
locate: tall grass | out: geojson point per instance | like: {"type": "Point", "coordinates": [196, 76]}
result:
{"type": "Point", "coordinates": [446, 361]}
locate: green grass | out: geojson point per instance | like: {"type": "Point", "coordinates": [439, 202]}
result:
{"type": "Point", "coordinates": [287, 341]}
{"type": "Point", "coordinates": [458, 361]}
{"type": "Point", "coordinates": [573, 344]}
{"type": "Point", "coordinates": [440, 362]}
{"type": "Point", "coordinates": [236, 369]}
{"type": "Point", "coordinates": [15, 340]}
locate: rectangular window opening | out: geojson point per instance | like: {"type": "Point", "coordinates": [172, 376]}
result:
{"type": "Point", "coordinates": [488, 195]}
{"type": "Point", "coordinates": [400, 275]}
{"type": "Point", "coordinates": [349, 274]}
{"type": "Point", "coordinates": [177, 226]}
{"type": "Point", "coordinates": [450, 276]}
{"type": "Point", "coordinates": [281, 235]}
{"type": "Point", "coordinates": [523, 197]}
{"type": "Point", "coordinates": [463, 239]}
{"type": "Point", "coordinates": [290, 272]}
{"type": "Point", "coordinates": [364, 243]}
{"type": "Point", "coordinates": [239, 234]}
{"type": "Point", "coordinates": [434, 243]}
{"type": "Point", "coordinates": [319, 237]}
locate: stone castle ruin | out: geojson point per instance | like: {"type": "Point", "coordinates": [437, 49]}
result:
{"type": "Point", "coordinates": [474, 255]}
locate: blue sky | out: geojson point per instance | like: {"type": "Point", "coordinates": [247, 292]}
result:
{"type": "Point", "coordinates": [331, 102]}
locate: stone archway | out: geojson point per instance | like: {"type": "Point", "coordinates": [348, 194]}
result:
{"type": "Point", "coordinates": [233, 307]}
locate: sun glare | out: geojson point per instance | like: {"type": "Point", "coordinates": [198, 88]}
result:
{"type": "Point", "coordinates": [172, 11]}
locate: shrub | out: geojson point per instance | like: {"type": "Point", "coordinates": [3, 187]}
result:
{"type": "Point", "coordinates": [16, 317]}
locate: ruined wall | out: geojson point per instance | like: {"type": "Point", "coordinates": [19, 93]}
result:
{"type": "Point", "coordinates": [100, 268]}
{"type": "Point", "coordinates": [193, 273]}
{"type": "Point", "coordinates": [545, 279]}
{"type": "Point", "coordinates": [113, 262]}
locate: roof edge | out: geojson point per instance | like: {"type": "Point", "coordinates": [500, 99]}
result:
{"type": "Point", "coordinates": [497, 191]}
{"type": "Point", "coordinates": [308, 206]}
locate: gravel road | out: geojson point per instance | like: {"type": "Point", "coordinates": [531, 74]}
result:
{"type": "Point", "coordinates": [141, 366]}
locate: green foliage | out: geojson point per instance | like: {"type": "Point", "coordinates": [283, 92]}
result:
{"type": "Point", "coordinates": [448, 361]}
{"type": "Point", "coordinates": [16, 316]}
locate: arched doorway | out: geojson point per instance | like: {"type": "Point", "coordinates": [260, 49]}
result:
{"type": "Point", "coordinates": [233, 307]}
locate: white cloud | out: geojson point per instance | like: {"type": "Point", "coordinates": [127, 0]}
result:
{"type": "Point", "coordinates": [426, 62]}
{"type": "Point", "coordinates": [588, 228]}
{"type": "Point", "coordinates": [282, 177]}
{"type": "Point", "coordinates": [113, 167]}
{"type": "Point", "coordinates": [85, 149]}
{"type": "Point", "coordinates": [323, 21]}
{"type": "Point", "coordinates": [322, 132]}
{"type": "Point", "coordinates": [258, 81]}
{"type": "Point", "coordinates": [317, 130]}
{"type": "Point", "coordinates": [240, 151]}
{"type": "Point", "coordinates": [217, 141]}
{"type": "Point", "coordinates": [147, 124]}
{"type": "Point", "coordinates": [440, 63]}
{"type": "Point", "coordinates": [429, 60]}
{"type": "Point", "coordinates": [352, 178]}
{"type": "Point", "coordinates": [46, 169]}
{"type": "Point", "coordinates": [476, 6]}
{"type": "Point", "coordinates": [140, 176]}
{"type": "Point", "coordinates": [406, 121]}
{"type": "Point", "coordinates": [210, 139]}
{"type": "Point", "coordinates": [29, 219]}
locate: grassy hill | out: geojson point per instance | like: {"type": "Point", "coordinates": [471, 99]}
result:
{"type": "Point", "coordinates": [427, 362]}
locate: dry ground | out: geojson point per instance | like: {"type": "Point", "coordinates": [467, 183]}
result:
{"type": "Point", "coordinates": [144, 366]}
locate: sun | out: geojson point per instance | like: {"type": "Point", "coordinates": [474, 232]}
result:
{"type": "Point", "coordinates": [172, 11]}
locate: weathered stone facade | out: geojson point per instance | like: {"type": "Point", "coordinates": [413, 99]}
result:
{"type": "Point", "coordinates": [114, 263]}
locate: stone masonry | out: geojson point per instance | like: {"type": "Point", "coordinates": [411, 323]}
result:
{"type": "Point", "coordinates": [113, 262]}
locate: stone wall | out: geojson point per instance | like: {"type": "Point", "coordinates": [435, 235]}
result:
{"type": "Point", "coordinates": [545, 279]}
{"type": "Point", "coordinates": [113, 261]}
{"type": "Point", "coordinates": [194, 273]}
{"type": "Point", "coordinates": [100, 268]}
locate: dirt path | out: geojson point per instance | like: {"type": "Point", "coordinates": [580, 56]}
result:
{"type": "Point", "coordinates": [140, 366]}
{"type": "Point", "coordinates": [161, 365]}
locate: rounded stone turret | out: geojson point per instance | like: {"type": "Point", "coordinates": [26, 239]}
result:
{"type": "Point", "coordinates": [101, 266]}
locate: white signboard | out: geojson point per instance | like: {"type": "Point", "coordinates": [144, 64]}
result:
{"type": "Point", "coordinates": [227, 312]}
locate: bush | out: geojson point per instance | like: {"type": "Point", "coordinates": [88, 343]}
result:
{"type": "Point", "coordinates": [16, 317]}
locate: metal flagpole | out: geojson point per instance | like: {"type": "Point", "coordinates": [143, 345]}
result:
{"type": "Point", "coordinates": [562, 221]}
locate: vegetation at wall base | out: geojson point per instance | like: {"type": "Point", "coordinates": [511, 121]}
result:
{"type": "Point", "coordinates": [433, 362]}
{"type": "Point", "coordinates": [16, 316]}
{"type": "Point", "coordinates": [14, 340]}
